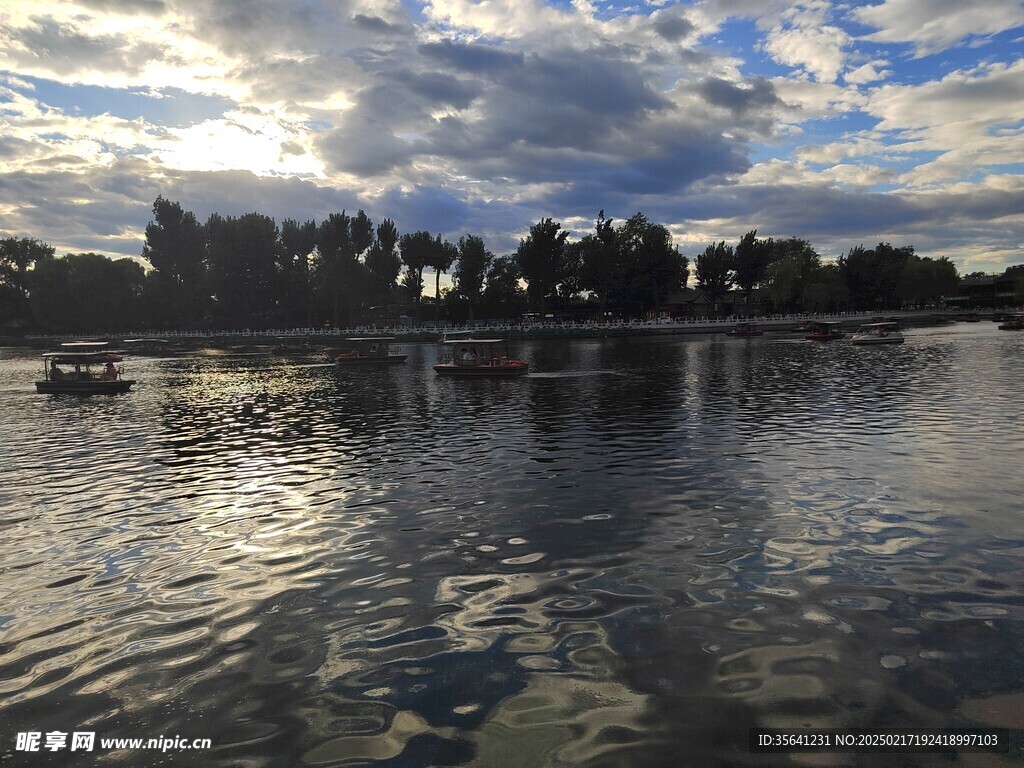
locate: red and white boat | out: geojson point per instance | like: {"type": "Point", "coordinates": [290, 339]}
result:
{"type": "Point", "coordinates": [828, 330]}
{"type": "Point", "coordinates": [1012, 323]}
{"type": "Point", "coordinates": [369, 350]}
{"type": "Point", "coordinates": [478, 357]}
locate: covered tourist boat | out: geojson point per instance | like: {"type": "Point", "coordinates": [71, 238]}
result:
{"type": "Point", "coordinates": [478, 357]}
{"type": "Point", "coordinates": [369, 350]}
{"type": "Point", "coordinates": [89, 369]}
{"type": "Point", "coordinates": [826, 331]}
{"type": "Point", "coordinates": [745, 330]}
{"type": "Point", "coordinates": [1012, 323]}
{"type": "Point", "coordinates": [878, 333]}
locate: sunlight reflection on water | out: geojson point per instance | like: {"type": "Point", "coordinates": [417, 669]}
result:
{"type": "Point", "coordinates": [627, 558]}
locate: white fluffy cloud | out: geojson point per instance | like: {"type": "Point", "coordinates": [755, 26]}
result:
{"type": "Point", "coordinates": [936, 25]}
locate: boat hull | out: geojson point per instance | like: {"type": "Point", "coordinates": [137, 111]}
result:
{"type": "Point", "coordinates": [824, 336]}
{"type": "Point", "coordinates": [1011, 327]}
{"type": "Point", "coordinates": [515, 368]}
{"type": "Point", "coordinates": [84, 387]}
{"type": "Point", "coordinates": [886, 340]}
{"type": "Point", "coordinates": [345, 362]}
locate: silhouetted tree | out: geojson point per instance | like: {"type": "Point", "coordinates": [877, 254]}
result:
{"type": "Point", "coordinates": [600, 267]}
{"type": "Point", "coordinates": [504, 296]}
{"type": "Point", "coordinates": [416, 252]}
{"type": "Point", "coordinates": [713, 270]}
{"type": "Point", "coordinates": [750, 263]}
{"type": "Point", "coordinates": [651, 266]}
{"type": "Point", "coordinates": [298, 243]}
{"type": "Point", "coordinates": [17, 258]}
{"type": "Point", "coordinates": [539, 259]}
{"type": "Point", "coordinates": [175, 247]}
{"type": "Point", "coordinates": [794, 262]}
{"type": "Point", "coordinates": [473, 263]}
{"type": "Point", "coordinates": [442, 255]}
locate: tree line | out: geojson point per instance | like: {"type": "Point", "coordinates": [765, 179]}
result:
{"type": "Point", "coordinates": [248, 272]}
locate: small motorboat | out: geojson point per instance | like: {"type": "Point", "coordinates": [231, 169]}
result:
{"type": "Point", "coordinates": [1012, 323]}
{"type": "Point", "coordinates": [370, 350]}
{"type": "Point", "coordinates": [85, 358]}
{"type": "Point", "coordinates": [829, 330]}
{"type": "Point", "coordinates": [878, 333]}
{"type": "Point", "coordinates": [745, 330]}
{"type": "Point", "coordinates": [478, 357]}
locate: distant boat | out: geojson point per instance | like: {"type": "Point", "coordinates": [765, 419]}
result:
{"type": "Point", "coordinates": [745, 330]}
{"type": "Point", "coordinates": [1013, 323]}
{"type": "Point", "coordinates": [478, 357]}
{"type": "Point", "coordinates": [148, 346]}
{"type": "Point", "coordinates": [85, 357]}
{"type": "Point", "coordinates": [370, 350]}
{"type": "Point", "coordinates": [826, 331]}
{"type": "Point", "coordinates": [878, 333]}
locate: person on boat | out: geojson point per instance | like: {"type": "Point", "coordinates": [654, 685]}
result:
{"type": "Point", "coordinates": [56, 374]}
{"type": "Point", "coordinates": [470, 356]}
{"type": "Point", "coordinates": [110, 373]}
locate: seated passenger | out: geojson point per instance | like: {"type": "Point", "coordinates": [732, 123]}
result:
{"type": "Point", "coordinates": [110, 373]}
{"type": "Point", "coordinates": [56, 374]}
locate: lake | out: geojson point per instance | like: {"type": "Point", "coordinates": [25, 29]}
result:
{"type": "Point", "coordinates": [628, 558]}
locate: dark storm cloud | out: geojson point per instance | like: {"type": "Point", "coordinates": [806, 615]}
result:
{"type": "Point", "coordinates": [438, 88]}
{"type": "Point", "coordinates": [252, 30]}
{"type": "Point", "coordinates": [426, 208]}
{"type": "Point", "coordinates": [672, 28]}
{"type": "Point", "coordinates": [141, 7]}
{"type": "Point", "coordinates": [758, 95]}
{"type": "Point", "coordinates": [64, 51]}
{"type": "Point", "coordinates": [376, 25]}
{"type": "Point", "coordinates": [472, 58]}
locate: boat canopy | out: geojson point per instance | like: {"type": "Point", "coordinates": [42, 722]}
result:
{"type": "Point", "coordinates": [361, 339]}
{"type": "Point", "coordinates": [78, 358]}
{"type": "Point", "coordinates": [879, 325]}
{"type": "Point", "coordinates": [145, 341]}
{"type": "Point", "coordinates": [464, 342]}
{"type": "Point", "coordinates": [83, 345]}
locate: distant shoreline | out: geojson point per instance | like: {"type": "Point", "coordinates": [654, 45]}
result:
{"type": "Point", "coordinates": [332, 337]}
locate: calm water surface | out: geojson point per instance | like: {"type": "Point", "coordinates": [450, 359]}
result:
{"type": "Point", "coordinates": [626, 559]}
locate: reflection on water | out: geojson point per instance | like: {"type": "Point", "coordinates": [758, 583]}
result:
{"type": "Point", "coordinates": [627, 558]}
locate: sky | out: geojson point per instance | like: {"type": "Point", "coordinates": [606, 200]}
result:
{"type": "Point", "coordinates": [842, 123]}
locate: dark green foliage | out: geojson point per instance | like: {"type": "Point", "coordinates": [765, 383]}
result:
{"type": "Point", "coordinates": [794, 263]}
{"type": "Point", "coordinates": [650, 267]}
{"type": "Point", "coordinates": [175, 247]}
{"type": "Point", "coordinates": [504, 296]}
{"type": "Point", "coordinates": [86, 292]}
{"type": "Point", "coordinates": [540, 260]}
{"type": "Point", "coordinates": [473, 263]}
{"type": "Point", "coordinates": [714, 273]}
{"type": "Point", "coordinates": [298, 243]}
{"type": "Point", "coordinates": [17, 258]}
{"type": "Point", "coordinates": [383, 261]}
{"type": "Point", "coordinates": [416, 253]}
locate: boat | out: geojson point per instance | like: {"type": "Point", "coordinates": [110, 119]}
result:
{"type": "Point", "coordinates": [745, 330]}
{"type": "Point", "coordinates": [478, 357]}
{"type": "Point", "coordinates": [828, 330]}
{"type": "Point", "coordinates": [148, 347]}
{"type": "Point", "coordinates": [878, 333]}
{"type": "Point", "coordinates": [290, 345]}
{"type": "Point", "coordinates": [1012, 323]}
{"type": "Point", "coordinates": [369, 350]}
{"type": "Point", "coordinates": [87, 358]}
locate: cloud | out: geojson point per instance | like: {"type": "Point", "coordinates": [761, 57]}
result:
{"type": "Point", "coordinates": [937, 25]}
{"type": "Point", "coordinates": [805, 41]}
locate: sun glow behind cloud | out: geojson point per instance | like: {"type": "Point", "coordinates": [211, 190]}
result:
{"type": "Point", "coordinates": [456, 115]}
